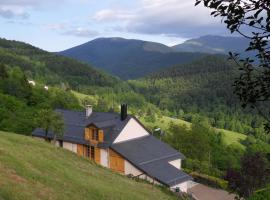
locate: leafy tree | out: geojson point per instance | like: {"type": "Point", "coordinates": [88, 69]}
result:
{"type": "Point", "coordinates": [251, 19]}
{"type": "Point", "coordinates": [254, 173]}
{"type": "Point", "coordinates": [49, 120]}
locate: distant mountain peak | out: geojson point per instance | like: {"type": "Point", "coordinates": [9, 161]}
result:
{"type": "Point", "coordinates": [213, 44]}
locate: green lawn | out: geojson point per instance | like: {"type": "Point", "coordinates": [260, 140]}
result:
{"type": "Point", "coordinates": [230, 137]}
{"type": "Point", "coordinates": [233, 138]}
{"type": "Point", "coordinates": [31, 169]}
{"type": "Point", "coordinates": [82, 96]}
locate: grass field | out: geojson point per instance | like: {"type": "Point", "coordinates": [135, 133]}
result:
{"type": "Point", "coordinates": [82, 96]}
{"type": "Point", "coordinates": [31, 169]}
{"type": "Point", "coordinates": [230, 137]}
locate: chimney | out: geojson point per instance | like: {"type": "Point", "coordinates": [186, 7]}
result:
{"type": "Point", "coordinates": [123, 112]}
{"type": "Point", "coordinates": [88, 110]}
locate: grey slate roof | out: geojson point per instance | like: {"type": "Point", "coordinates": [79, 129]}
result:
{"type": "Point", "coordinates": [152, 156]}
{"type": "Point", "coordinates": [75, 122]}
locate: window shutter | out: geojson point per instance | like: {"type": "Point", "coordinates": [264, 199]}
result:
{"type": "Point", "coordinates": [87, 134]}
{"type": "Point", "coordinates": [97, 155]}
{"type": "Point", "coordinates": [100, 136]}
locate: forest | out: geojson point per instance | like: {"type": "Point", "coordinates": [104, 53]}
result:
{"type": "Point", "coordinates": [201, 88]}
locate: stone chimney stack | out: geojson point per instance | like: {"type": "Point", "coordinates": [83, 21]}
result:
{"type": "Point", "coordinates": [123, 112]}
{"type": "Point", "coordinates": [88, 110]}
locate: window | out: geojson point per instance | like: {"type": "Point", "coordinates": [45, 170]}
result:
{"type": "Point", "coordinates": [92, 152]}
{"type": "Point", "coordinates": [95, 134]}
{"type": "Point", "coordinates": [87, 151]}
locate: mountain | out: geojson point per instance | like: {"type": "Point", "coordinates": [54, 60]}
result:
{"type": "Point", "coordinates": [202, 88]}
{"type": "Point", "coordinates": [51, 69]}
{"type": "Point", "coordinates": [32, 169]}
{"type": "Point", "coordinates": [128, 59]}
{"type": "Point", "coordinates": [213, 45]}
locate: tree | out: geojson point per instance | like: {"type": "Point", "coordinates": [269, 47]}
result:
{"type": "Point", "coordinates": [254, 173]}
{"type": "Point", "coordinates": [250, 19]}
{"type": "Point", "coordinates": [49, 120]}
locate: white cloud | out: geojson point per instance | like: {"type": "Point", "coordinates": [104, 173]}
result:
{"type": "Point", "coordinates": [108, 15]}
{"type": "Point", "coordinates": [66, 28]}
{"type": "Point", "coordinates": [81, 32]}
{"type": "Point", "coordinates": [19, 9]}
{"type": "Point", "coordinates": [55, 26]}
{"type": "Point", "coordinates": [170, 17]}
{"type": "Point", "coordinates": [12, 13]}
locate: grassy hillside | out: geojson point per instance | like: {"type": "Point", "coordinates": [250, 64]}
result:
{"type": "Point", "coordinates": [230, 137]}
{"type": "Point", "coordinates": [214, 45]}
{"type": "Point", "coordinates": [32, 169]}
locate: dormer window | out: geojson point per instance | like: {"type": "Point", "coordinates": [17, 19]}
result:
{"type": "Point", "coordinates": [93, 134]}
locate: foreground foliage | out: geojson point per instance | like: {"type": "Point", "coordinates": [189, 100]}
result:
{"type": "Point", "coordinates": [253, 174]}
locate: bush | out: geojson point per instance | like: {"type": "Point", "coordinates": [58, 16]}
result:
{"type": "Point", "coordinates": [261, 195]}
{"type": "Point", "coordinates": [209, 180]}
{"type": "Point", "coordinates": [202, 167]}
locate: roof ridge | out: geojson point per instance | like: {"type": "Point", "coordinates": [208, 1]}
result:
{"type": "Point", "coordinates": [178, 178]}
{"type": "Point", "coordinates": [132, 139]}
{"type": "Point", "coordinates": [160, 158]}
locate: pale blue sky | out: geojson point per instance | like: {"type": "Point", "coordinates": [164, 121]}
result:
{"type": "Point", "coordinates": [56, 25]}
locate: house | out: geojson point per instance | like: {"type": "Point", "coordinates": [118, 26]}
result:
{"type": "Point", "coordinates": [121, 143]}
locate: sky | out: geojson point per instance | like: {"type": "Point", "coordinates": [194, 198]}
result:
{"type": "Point", "coordinates": [56, 25]}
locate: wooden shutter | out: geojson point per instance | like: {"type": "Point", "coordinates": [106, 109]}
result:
{"type": "Point", "coordinates": [91, 132]}
{"type": "Point", "coordinates": [117, 163]}
{"type": "Point", "coordinates": [97, 155]}
{"type": "Point", "coordinates": [80, 149]}
{"type": "Point", "coordinates": [87, 134]}
{"type": "Point", "coordinates": [100, 136]}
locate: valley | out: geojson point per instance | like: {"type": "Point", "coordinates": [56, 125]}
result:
{"type": "Point", "coordinates": [189, 98]}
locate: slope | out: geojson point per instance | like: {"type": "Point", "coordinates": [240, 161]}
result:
{"type": "Point", "coordinates": [202, 88]}
{"type": "Point", "coordinates": [51, 69]}
{"type": "Point", "coordinates": [230, 137]}
{"type": "Point", "coordinates": [32, 169]}
{"type": "Point", "coordinates": [213, 45]}
{"type": "Point", "coordinates": [128, 59]}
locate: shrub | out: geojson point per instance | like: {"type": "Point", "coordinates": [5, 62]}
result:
{"type": "Point", "coordinates": [209, 180]}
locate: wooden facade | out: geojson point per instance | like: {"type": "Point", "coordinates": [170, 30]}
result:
{"type": "Point", "coordinates": [91, 151]}
{"type": "Point", "coordinates": [88, 151]}
{"type": "Point", "coordinates": [117, 163]}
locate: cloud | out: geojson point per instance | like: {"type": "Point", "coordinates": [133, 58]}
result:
{"type": "Point", "coordinates": [10, 14]}
{"type": "Point", "coordinates": [170, 17]}
{"type": "Point", "coordinates": [108, 15]}
{"type": "Point", "coordinates": [66, 28]}
{"type": "Point", "coordinates": [19, 9]}
{"type": "Point", "coordinates": [81, 32]}
{"type": "Point", "coordinates": [55, 26]}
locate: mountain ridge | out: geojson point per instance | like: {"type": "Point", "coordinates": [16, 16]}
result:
{"type": "Point", "coordinates": [133, 58]}
{"type": "Point", "coordinates": [128, 58]}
